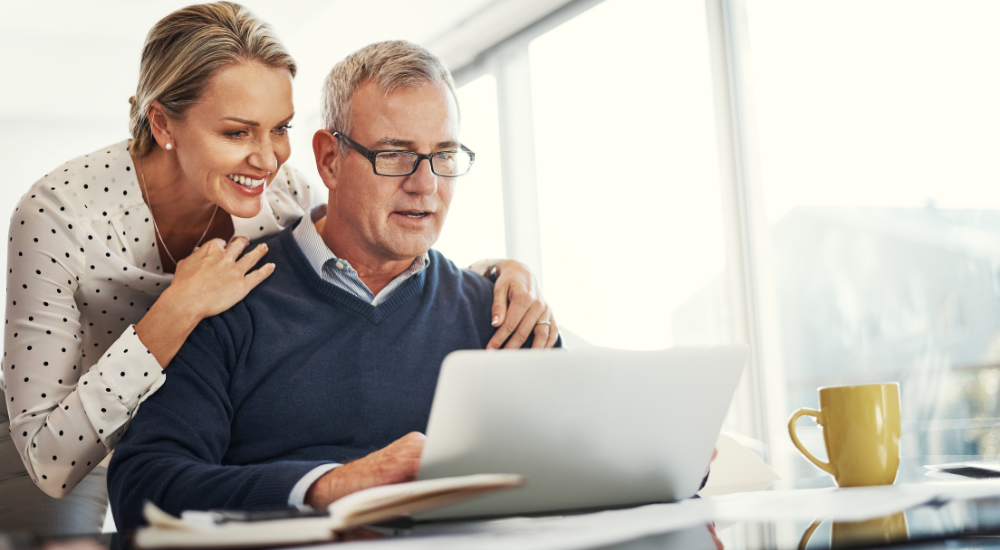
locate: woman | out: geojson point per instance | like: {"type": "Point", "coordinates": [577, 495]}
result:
{"type": "Point", "coordinates": [116, 256]}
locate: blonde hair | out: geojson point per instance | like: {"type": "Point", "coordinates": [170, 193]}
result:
{"type": "Point", "coordinates": [186, 48]}
{"type": "Point", "coordinates": [390, 65]}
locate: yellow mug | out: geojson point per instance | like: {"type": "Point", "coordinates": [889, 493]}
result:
{"type": "Point", "coordinates": [861, 428]}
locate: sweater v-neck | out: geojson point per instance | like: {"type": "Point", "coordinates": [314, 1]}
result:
{"type": "Point", "coordinates": [374, 314]}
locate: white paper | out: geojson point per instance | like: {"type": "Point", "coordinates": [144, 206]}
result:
{"type": "Point", "coordinates": [562, 533]}
{"type": "Point", "coordinates": [736, 469]}
{"type": "Point", "coordinates": [844, 504]}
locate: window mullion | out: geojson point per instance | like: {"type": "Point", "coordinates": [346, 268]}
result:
{"type": "Point", "coordinates": [760, 404]}
{"type": "Point", "coordinates": [517, 157]}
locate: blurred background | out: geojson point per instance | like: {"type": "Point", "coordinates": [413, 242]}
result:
{"type": "Point", "coordinates": [816, 179]}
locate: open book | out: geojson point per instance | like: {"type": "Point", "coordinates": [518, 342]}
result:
{"type": "Point", "coordinates": [378, 504]}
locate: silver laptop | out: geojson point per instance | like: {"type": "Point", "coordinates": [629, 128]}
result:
{"type": "Point", "coordinates": [595, 428]}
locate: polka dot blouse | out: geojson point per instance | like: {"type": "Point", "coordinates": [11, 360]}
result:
{"type": "Point", "coordinates": [82, 269]}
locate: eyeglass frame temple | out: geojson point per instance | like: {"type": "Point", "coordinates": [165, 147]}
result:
{"type": "Point", "coordinates": [370, 155]}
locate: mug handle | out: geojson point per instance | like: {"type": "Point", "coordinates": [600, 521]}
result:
{"type": "Point", "coordinates": [809, 533]}
{"type": "Point", "coordinates": [825, 466]}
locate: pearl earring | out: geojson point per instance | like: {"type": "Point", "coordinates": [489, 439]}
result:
{"type": "Point", "coordinates": [168, 146]}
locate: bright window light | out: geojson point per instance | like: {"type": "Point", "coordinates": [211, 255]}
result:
{"type": "Point", "coordinates": [628, 189]}
{"type": "Point", "coordinates": [474, 229]}
{"type": "Point", "coordinates": [877, 128]}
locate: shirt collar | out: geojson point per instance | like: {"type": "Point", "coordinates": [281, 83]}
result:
{"type": "Point", "coordinates": [315, 250]}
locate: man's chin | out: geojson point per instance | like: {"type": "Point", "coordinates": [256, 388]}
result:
{"type": "Point", "coordinates": [410, 254]}
{"type": "Point", "coordinates": [409, 246]}
{"type": "Point", "coordinates": [400, 253]}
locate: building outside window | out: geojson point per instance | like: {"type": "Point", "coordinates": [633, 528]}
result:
{"type": "Point", "coordinates": [876, 125]}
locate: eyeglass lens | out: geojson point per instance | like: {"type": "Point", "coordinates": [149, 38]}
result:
{"type": "Point", "coordinates": [398, 163]}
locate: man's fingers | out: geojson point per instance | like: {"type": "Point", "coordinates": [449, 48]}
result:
{"type": "Point", "coordinates": [401, 459]}
{"type": "Point", "coordinates": [412, 438]}
{"type": "Point", "coordinates": [526, 325]}
{"type": "Point", "coordinates": [251, 258]}
{"type": "Point", "coordinates": [715, 537]}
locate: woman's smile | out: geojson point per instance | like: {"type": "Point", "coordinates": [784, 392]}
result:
{"type": "Point", "coordinates": [246, 185]}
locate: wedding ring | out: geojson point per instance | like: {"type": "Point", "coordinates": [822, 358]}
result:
{"type": "Point", "coordinates": [543, 323]}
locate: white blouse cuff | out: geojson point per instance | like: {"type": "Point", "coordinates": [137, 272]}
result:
{"type": "Point", "coordinates": [113, 388]}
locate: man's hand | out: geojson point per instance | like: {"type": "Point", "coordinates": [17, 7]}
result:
{"type": "Point", "coordinates": [396, 463]}
{"type": "Point", "coordinates": [704, 478]}
{"type": "Point", "coordinates": [715, 537]}
{"type": "Point", "coordinates": [715, 453]}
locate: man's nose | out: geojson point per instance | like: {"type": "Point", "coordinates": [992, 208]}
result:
{"type": "Point", "coordinates": [263, 157]}
{"type": "Point", "coordinates": [423, 181]}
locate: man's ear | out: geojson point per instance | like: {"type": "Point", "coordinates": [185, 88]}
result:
{"type": "Point", "coordinates": [327, 153]}
{"type": "Point", "coordinates": [161, 124]}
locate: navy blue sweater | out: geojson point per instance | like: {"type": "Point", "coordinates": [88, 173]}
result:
{"type": "Point", "coordinates": [298, 374]}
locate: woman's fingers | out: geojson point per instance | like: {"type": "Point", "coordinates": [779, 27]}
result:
{"type": "Point", "coordinates": [499, 304]}
{"type": "Point", "coordinates": [216, 277]}
{"type": "Point", "coordinates": [515, 312]}
{"type": "Point", "coordinates": [543, 326]}
{"type": "Point", "coordinates": [221, 244]}
{"type": "Point", "coordinates": [236, 247]}
{"type": "Point", "coordinates": [518, 309]}
{"type": "Point", "coordinates": [500, 316]}
{"type": "Point", "coordinates": [525, 325]}
{"type": "Point", "coordinates": [553, 333]}
{"type": "Point", "coordinates": [257, 276]}
{"type": "Point", "coordinates": [546, 331]}
{"type": "Point", "coordinates": [251, 258]}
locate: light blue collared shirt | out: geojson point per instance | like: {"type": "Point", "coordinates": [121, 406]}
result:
{"type": "Point", "coordinates": [339, 272]}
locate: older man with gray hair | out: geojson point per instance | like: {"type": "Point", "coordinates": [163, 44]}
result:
{"type": "Point", "coordinates": [320, 382]}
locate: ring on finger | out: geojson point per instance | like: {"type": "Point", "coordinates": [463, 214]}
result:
{"type": "Point", "coordinates": [543, 323]}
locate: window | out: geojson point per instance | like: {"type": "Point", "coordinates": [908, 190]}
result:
{"type": "Point", "coordinates": [881, 186]}
{"type": "Point", "coordinates": [628, 190]}
{"type": "Point", "coordinates": [475, 227]}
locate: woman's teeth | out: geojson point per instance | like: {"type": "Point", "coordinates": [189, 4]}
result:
{"type": "Point", "coordinates": [417, 216]}
{"type": "Point", "coordinates": [247, 182]}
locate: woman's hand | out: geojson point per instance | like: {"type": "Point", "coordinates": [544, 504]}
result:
{"type": "Point", "coordinates": [206, 283]}
{"type": "Point", "coordinates": [519, 309]}
{"type": "Point", "coordinates": [214, 277]}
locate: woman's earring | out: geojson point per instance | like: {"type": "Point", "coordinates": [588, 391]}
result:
{"type": "Point", "coordinates": [168, 146]}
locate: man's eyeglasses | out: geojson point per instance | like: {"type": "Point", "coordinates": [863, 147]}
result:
{"type": "Point", "coordinates": [449, 164]}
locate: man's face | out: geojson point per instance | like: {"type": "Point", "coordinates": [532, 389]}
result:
{"type": "Point", "coordinates": [396, 218]}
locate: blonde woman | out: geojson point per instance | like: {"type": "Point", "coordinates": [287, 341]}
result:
{"type": "Point", "coordinates": [116, 256]}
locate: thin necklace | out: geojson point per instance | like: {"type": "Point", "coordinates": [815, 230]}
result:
{"type": "Point", "coordinates": [157, 228]}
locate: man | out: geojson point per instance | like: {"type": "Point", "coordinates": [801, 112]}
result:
{"type": "Point", "coordinates": [335, 357]}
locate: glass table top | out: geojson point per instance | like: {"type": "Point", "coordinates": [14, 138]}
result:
{"type": "Point", "coordinates": [957, 524]}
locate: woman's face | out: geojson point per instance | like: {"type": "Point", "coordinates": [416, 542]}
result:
{"type": "Point", "coordinates": [231, 143]}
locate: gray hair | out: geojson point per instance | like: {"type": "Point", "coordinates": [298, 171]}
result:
{"type": "Point", "coordinates": [186, 48]}
{"type": "Point", "coordinates": [391, 65]}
